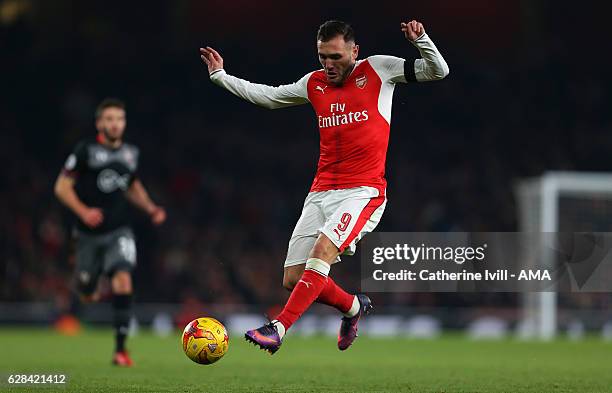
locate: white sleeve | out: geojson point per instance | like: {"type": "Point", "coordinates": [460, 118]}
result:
{"type": "Point", "coordinates": [432, 65]}
{"type": "Point", "coordinates": [389, 68]}
{"type": "Point", "coordinates": [270, 97]}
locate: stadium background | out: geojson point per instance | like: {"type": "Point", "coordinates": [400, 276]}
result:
{"type": "Point", "coordinates": [528, 92]}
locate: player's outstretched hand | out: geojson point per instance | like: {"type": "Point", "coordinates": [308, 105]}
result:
{"type": "Point", "coordinates": [212, 58]}
{"type": "Point", "coordinates": [413, 30]}
{"type": "Point", "coordinates": [158, 215]}
{"type": "Point", "coordinates": [92, 217]}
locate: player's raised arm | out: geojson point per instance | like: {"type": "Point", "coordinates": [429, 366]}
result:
{"type": "Point", "coordinates": [271, 97]}
{"type": "Point", "coordinates": [432, 65]}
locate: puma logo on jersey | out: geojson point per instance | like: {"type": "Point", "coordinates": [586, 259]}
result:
{"type": "Point", "coordinates": [322, 89]}
{"type": "Point", "coordinates": [308, 284]}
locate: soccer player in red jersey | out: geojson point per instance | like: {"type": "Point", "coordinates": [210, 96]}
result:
{"type": "Point", "coordinates": [352, 100]}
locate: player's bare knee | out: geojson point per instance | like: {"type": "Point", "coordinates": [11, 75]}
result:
{"type": "Point", "coordinates": [122, 283]}
{"type": "Point", "coordinates": [292, 276]}
{"type": "Point", "coordinates": [122, 290]}
{"type": "Point", "coordinates": [325, 250]}
{"type": "Point", "coordinates": [288, 283]}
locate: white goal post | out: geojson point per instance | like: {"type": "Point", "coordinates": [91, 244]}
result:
{"type": "Point", "coordinates": [558, 202]}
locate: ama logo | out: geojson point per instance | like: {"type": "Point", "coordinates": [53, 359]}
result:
{"type": "Point", "coordinates": [538, 275]}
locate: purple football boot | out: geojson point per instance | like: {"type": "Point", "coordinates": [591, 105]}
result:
{"type": "Point", "coordinates": [348, 328]}
{"type": "Point", "coordinates": [266, 337]}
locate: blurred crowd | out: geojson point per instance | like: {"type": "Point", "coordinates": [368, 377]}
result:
{"type": "Point", "coordinates": [233, 177]}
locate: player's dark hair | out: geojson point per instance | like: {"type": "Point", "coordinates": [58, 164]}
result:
{"type": "Point", "coordinates": [109, 103]}
{"type": "Point", "coordinates": [334, 28]}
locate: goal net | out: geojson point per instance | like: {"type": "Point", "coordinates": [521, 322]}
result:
{"type": "Point", "coordinates": [563, 202]}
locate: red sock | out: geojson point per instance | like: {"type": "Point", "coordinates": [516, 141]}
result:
{"type": "Point", "coordinates": [303, 295]}
{"type": "Point", "coordinates": [334, 296]}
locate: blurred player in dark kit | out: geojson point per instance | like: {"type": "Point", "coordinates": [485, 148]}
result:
{"type": "Point", "coordinates": [98, 180]}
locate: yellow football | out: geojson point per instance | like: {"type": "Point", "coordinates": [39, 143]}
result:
{"type": "Point", "coordinates": [205, 340]}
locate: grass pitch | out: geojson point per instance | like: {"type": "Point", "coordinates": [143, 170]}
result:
{"type": "Point", "coordinates": [449, 364]}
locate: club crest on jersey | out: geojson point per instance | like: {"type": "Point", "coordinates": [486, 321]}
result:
{"type": "Point", "coordinates": [321, 88]}
{"type": "Point", "coordinates": [361, 81]}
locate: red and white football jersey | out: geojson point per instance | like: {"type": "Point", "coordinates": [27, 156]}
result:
{"type": "Point", "coordinates": [354, 122]}
{"type": "Point", "coordinates": [354, 119]}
